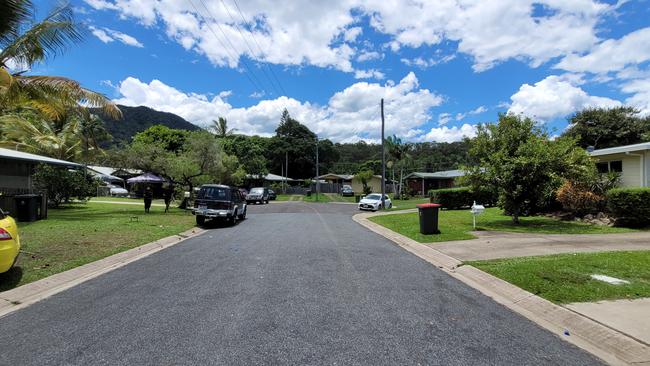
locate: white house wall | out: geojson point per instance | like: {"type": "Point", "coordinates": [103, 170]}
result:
{"type": "Point", "coordinates": [631, 175]}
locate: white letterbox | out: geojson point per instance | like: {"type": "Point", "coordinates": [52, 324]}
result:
{"type": "Point", "coordinates": [476, 210]}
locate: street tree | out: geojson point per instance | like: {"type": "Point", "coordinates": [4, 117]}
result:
{"type": "Point", "coordinates": [608, 127]}
{"type": "Point", "coordinates": [518, 160]}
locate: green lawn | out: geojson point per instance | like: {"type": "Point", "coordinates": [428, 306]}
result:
{"type": "Point", "coordinates": [565, 278]}
{"type": "Point", "coordinates": [406, 204]}
{"type": "Point", "coordinates": [322, 197]}
{"type": "Point", "coordinates": [83, 233]}
{"type": "Point", "coordinates": [457, 225]}
{"type": "Point", "coordinates": [127, 200]}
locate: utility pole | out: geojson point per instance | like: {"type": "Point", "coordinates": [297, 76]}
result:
{"type": "Point", "coordinates": [317, 172]}
{"type": "Point", "coordinates": [286, 167]}
{"type": "Point", "coordinates": [383, 160]}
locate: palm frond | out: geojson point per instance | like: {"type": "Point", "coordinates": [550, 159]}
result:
{"type": "Point", "coordinates": [45, 39]}
{"type": "Point", "coordinates": [13, 13]}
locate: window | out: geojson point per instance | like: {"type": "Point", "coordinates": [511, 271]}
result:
{"type": "Point", "coordinates": [213, 193]}
{"type": "Point", "coordinates": [610, 166]}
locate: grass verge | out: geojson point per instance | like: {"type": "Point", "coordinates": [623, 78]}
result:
{"type": "Point", "coordinates": [79, 234]}
{"type": "Point", "coordinates": [566, 278]}
{"type": "Point", "coordinates": [457, 225]}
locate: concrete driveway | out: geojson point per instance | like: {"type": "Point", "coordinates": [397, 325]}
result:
{"type": "Point", "coordinates": [295, 283]}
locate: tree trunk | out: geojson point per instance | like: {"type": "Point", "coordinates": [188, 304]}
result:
{"type": "Point", "coordinates": [515, 217]}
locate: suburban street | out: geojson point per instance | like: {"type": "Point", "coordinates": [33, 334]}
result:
{"type": "Point", "coordinates": [294, 283]}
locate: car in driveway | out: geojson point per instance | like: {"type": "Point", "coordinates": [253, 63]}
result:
{"type": "Point", "coordinates": [258, 195]}
{"type": "Point", "coordinates": [117, 191]}
{"type": "Point", "coordinates": [372, 202]}
{"type": "Point", "coordinates": [219, 202]}
{"type": "Point", "coordinates": [347, 191]}
{"type": "Point", "coordinates": [9, 242]}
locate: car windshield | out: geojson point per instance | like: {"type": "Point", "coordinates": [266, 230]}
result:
{"type": "Point", "coordinates": [257, 190]}
{"type": "Point", "coordinates": [373, 197]}
{"type": "Point", "coordinates": [213, 193]}
{"type": "Point", "coordinates": [347, 187]}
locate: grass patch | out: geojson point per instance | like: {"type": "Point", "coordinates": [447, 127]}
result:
{"type": "Point", "coordinates": [406, 204]}
{"type": "Point", "coordinates": [565, 278]}
{"type": "Point", "coordinates": [322, 198]}
{"type": "Point", "coordinates": [80, 234]}
{"type": "Point", "coordinates": [127, 200]}
{"type": "Point", "coordinates": [457, 225]}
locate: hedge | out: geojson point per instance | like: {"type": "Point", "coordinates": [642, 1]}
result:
{"type": "Point", "coordinates": [455, 198]}
{"type": "Point", "coordinates": [630, 206]}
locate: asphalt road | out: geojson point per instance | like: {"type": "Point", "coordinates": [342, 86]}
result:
{"type": "Point", "coordinates": [295, 283]}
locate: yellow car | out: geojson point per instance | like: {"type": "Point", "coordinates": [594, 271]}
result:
{"type": "Point", "coordinates": [9, 242]}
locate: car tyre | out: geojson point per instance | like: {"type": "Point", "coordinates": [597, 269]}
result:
{"type": "Point", "coordinates": [200, 220]}
{"type": "Point", "coordinates": [243, 215]}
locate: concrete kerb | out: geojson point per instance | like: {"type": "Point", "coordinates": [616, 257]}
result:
{"type": "Point", "coordinates": [31, 293]}
{"type": "Point", "coordinates": [606, 343]}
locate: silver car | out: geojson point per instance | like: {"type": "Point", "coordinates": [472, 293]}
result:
{"type": "Point", "coordinates": [372, 202]}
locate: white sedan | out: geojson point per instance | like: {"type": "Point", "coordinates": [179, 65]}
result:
{"type": "Point", "coordinates": [373, 202]}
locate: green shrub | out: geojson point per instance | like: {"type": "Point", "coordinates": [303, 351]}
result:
{"type": "Point", "coordinates": [63, 185]}
{"type": "Point", "coordinates": [455, 198]}
{"type": "Point", "coordinates": [630, 206]}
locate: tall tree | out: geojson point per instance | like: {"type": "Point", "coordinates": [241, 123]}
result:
{"type": "Point", "coordinates": [518, 160]}
{"type": "Point", "coordinates": [608, 127]}
{"type": "Point", "coordinates": [295, 141]}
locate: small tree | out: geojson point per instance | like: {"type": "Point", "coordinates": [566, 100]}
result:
{"type": "Point", "coordinates": [517, 158]}
{"type": "Point", "coordinates": [364, 177]}
{"type": "Point", "coordinates": [62, 184]}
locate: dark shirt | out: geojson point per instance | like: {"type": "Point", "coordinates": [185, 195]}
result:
{"type": "Point", "coordinates": [148, 195]}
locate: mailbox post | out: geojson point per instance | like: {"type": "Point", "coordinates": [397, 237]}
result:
{"type": "Point", "coordinates": [476, 210]}
{"type": "Point", "coordinates": [428, 213]}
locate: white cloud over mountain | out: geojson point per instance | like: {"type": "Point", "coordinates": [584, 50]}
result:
{"type": "Point", "coordinates": [350, 114]}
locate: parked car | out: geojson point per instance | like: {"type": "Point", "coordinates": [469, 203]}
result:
{"type": "Point", "coordinates": [347, 191]}
{"type": "Point", "coordinates": [258, 195]}
{"type": "Point", "coordinates": [219, 202]}
{"type": "Point", "coordinates": [272, 195]}
{"type": "Point", "coordinates": [9, 242]}
{"type": "Point", "coordinates": [117, 191]}
{"type": "Point", "coordinates": [373, 202]}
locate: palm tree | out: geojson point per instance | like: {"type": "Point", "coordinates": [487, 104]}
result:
{"type": "Point", "coordinates": [399, 153]}
{"type": "Point", "coordinates": [220, 128]}
{"type": "Point", "coordinates": [53, 99]}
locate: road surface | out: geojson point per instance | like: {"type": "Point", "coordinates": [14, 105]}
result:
{"type": "Point", "coordinates": [295, 283]}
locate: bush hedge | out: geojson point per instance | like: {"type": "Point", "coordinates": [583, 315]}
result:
{"type": "Point", "coordinates": [455, 198]}
{"type": "Point", "coordinates": [630, 206]}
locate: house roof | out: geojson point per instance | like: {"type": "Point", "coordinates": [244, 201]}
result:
{"type": "Point", "coordinates": [336, 176]}
{"type": "Point", "coordinates": [103, 176]}
{"type": "Point", "coordinates": [621, 149]}
{"type": "Point", "coordinates": [271, 178]}
{"type": "Point", "coordinates": [445, 174]}
{"type": "Point", "coordinates": [19, 155]}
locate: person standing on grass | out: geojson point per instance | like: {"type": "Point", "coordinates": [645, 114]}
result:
{"type": "Point", "coordinates": [148, 196]}
{"type": "Point", "coordinates": [167, 195]}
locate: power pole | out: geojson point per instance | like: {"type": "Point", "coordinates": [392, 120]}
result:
{"type": "Point", "coordinates": [383, 160]}
{"type": "Point", "coordinates": [286, 167]}
{"type": "Point", "coordinates": [317, 172]}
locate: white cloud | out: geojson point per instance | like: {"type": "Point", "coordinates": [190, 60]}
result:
{"type": "Point", "coordinates": [108, 35]}
{"type": "Point", "coordinates": [350, 113]}
{"type": "Point", "coordinates": [367, 74]}
{"type": "Point", "coordinates": [369, 55]}
{"type": "Point", "coordinates": [449, 134]}
{"type": "Point", "coordinates": [477, 110]}
{"type": "Point", "coordinates": [424, 63]}
{"type": "Point", "coordinates": [489, 31]}
{"type": "Point", "coordinates": [611, 55]}
{"type": "Point", "coordinates": [641, 98]}
{"type": "Point", "coordinates": [554, 97]}
{"type": "Point", "coordinates": [444, 118]}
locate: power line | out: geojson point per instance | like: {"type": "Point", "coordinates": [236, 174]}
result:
{"type": "Point", "coordinates": [250, 49]}
{"type": "Point", "coordinates": [250, 75]}
{"type": "Point", "coordinates": [241, 14]}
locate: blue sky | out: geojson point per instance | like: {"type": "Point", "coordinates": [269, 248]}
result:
{"type": "Point", "coordinates": [442, 66]}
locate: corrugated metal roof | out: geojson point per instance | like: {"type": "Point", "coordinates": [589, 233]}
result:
{"type": "Point", "coordinates": [272, 178]}
{"type": "Point", "coordinates": [438, 175]}
{"type": "Point", "coordinates": [621, 149]}
{"type": "Point", "coordinates": [19, 155]}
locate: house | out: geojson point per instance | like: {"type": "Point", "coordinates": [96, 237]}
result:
{"type": "Point", "coordinates": [631, 161]}
{"type": "Point", "coordinates": [16, 170]}
{"type": "Point", "coordinates": [17, 167]}
{"type": "Point", "coordinates": [337, 181]}
{"type": "Point", "coordinates": [422, 182]}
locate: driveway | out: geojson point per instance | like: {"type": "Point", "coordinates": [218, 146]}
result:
{"type": "Point", "coordinates": [295, 283]}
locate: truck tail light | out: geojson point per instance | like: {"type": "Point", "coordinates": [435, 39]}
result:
{"type": "Point", "coordinates": [4, 234]}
